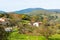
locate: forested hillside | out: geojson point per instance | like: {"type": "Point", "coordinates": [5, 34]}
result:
{"type": "Point", "coordinates": [36, 23]}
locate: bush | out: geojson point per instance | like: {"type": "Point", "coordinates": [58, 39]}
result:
{"type": "Point", "coordinates": [26, 29]}
{"type": "Point", "coordinates": [3, 33]}
{"type": "Point", "coordinates": [55, 37]}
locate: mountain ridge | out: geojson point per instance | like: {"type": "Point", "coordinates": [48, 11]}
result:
{"type": "Point", "coordinates": [32, 9]}
{"type": "Point", "coordinates": [28, 10]}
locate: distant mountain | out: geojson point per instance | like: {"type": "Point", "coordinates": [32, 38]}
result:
{"type": "Point", "coordinates": [33, 9]}
{"type": "Point", "coordinates": [2, 12]}
{"type": "Point", "coordinates": [28, 10]}
{"type": "Point", "coordinates": [54, 10]}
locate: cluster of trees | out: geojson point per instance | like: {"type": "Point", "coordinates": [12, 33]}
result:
{"type": "Point", "coordinates": [50, 24]}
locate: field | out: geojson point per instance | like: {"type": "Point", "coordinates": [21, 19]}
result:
{"type": "Point", "coordinates": [17, 36]}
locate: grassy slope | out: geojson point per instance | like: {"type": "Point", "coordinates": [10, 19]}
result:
{"type": "Point", "coordinates": [55, 37]}
{"type": "Point", "coordinates": [17, 36]}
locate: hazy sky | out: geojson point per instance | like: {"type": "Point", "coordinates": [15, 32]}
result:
{"type": "Point", "coordinates": [13, 5]}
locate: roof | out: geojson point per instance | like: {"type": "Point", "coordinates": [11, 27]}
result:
{"type": "Point", "coordinates": [2, 19]}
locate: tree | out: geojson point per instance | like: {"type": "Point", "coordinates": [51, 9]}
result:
{"type": "Point", "coordinates": [3, 34]}
{"type": "Point", "coordinates": [1, 15]}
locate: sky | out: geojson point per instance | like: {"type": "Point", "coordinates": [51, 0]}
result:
{"type": "Point", "coordinates": [14, 5]}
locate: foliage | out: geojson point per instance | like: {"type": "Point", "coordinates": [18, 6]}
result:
{"type": "Point", "coordinates": [17, 36]}
{"type": "Point", "coordinates": [54, 37]}
{"type": "Point", "coordinates": [50, 25]}
{"type": "Point", "coordinates": [3, 33]}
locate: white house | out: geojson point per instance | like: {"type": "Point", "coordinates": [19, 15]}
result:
{"type": "Point", "coordinates": [2, 19]}
{"type": "Point", "coordinates": [8, 29]}
{"type": "Point", "coordinates": [37, 24]}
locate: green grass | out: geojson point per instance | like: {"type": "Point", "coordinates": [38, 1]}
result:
{"type": "Point", "coordinates": [17, 36]}
{"type": "Point", "coordinates": [55, 37]}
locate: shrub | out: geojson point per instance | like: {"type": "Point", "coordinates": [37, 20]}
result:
{"type": "Point", "coordinates": [55, 37]}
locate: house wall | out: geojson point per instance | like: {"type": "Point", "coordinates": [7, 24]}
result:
{"type": "Point", "coordinates": [36, 24]}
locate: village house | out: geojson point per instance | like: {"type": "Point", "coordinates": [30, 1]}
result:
{"type": "Point", "coordinates": [37, 24]}
{"type": "Point", "coordinates": [4, 21]}
{"type": "Point", "coordinates": [8, 29]}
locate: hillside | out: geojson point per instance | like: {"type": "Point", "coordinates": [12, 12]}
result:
{"type": "Point", "coordinates": [2, 12]}
{"type": "Point", "coordinates": [26, 23]}
{"type": "Point", "coordinates": [28, 10]}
